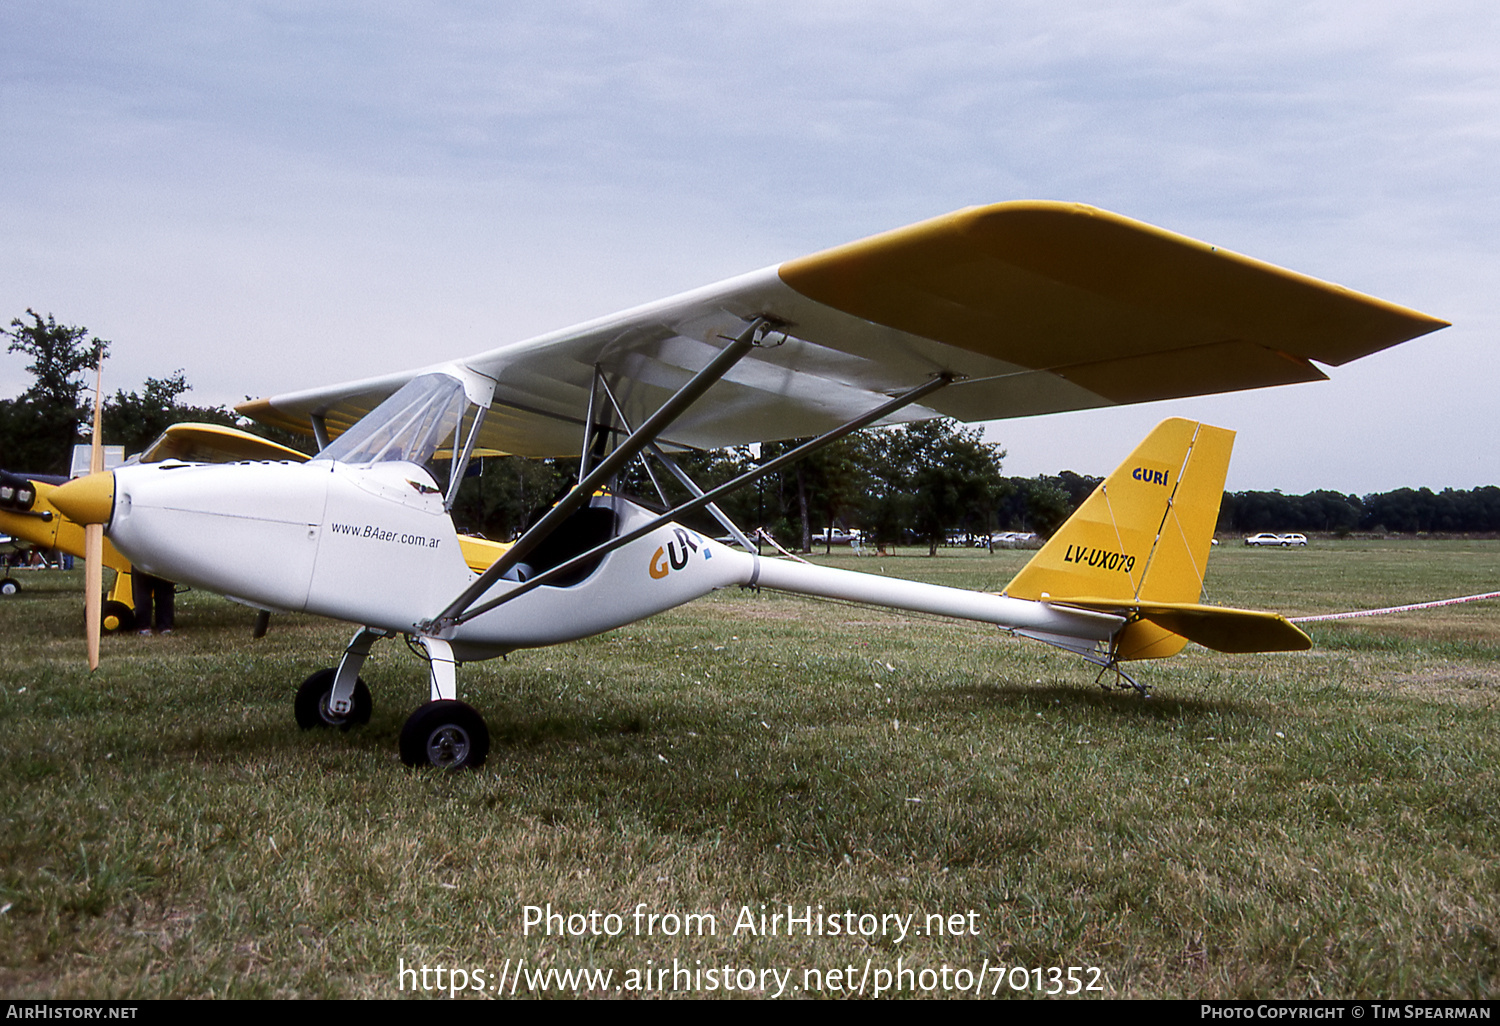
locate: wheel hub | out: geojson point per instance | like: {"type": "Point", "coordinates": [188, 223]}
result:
{"type": "Point", "coordinates": [447, 746]}
{"type": "Point", "coordinates": [330, 717]}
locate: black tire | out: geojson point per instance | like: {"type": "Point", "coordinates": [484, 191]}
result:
{"type": "Point", "coordinates": [446, 734]}
{"type": "Point", "coordinates": [10, 586]}
{"type": "Point", "coordinates": [312, 703]}
{"type": "Point", "coordinates": [118, 618]}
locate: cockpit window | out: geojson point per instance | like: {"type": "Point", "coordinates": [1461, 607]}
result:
{"type": "Point", "coordinates": [411, 425]}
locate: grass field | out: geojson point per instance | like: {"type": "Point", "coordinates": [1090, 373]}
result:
{"type": "Point", "coordinates": [1318, 824]}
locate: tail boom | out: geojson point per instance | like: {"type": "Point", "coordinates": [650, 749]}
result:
{"type": "Point", "coordinates": [1087, 625]}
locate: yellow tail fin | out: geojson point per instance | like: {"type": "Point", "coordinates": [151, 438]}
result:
{"type": "Point", "coordinates": [1143, 536]}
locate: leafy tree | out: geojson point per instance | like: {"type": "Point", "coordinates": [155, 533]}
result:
{"type": "Point", "coordinates": [1042, 503]}
{"type": "Point", "coordinates": [507, 493]}
{"type": "Point", "coordinates": [937, 477]}
{"type": "Point", "coordinates": [832, 483]}
{"type": "Point", "coordinates": [59, 353]}
{"type": "Point", "coordinates": [39, 428]}
{"type": "Point", "coordinates": [1048, 505]}
{"type": "Point", "coordinates": [1077, 486]}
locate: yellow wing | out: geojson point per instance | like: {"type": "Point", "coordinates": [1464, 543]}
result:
{"type": "Point", "coordinates": [1036, 307]}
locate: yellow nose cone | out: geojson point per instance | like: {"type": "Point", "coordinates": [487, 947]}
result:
{"type": "Point", "coordinates": [86, 500]}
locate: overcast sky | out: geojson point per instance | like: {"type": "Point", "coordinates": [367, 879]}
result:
{"type": "Point", "coordinates": [273, 195]}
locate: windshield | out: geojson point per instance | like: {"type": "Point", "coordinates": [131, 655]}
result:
{"type": "Point", "coordinates": [411, 425]}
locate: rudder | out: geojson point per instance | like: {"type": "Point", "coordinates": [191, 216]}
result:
{"type": "Point", "coordinates": [1142, 536]}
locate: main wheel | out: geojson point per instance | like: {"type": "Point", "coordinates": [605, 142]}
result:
{"type": "Point", "coordinates": [445, 734]}
{"type": "Point", "coordinates": [9, 586]}
{"type": "Point", "coordinates": [117, 617]}
{"type": "Point", "coordinates": [312, 703]}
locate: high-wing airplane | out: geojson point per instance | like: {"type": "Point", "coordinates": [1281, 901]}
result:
{"type": "Point", "coordinates": [1003, 311]}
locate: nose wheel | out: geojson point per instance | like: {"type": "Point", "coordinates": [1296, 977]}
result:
{"type": "Point", "coordinates": [447, 734]}
{"type": "Point", "coordinates": [312, 706]}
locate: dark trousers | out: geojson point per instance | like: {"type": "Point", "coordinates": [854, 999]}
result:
{"type": "Point", "coordinates": [149, 591]}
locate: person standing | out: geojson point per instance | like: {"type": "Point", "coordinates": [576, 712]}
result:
{"type": "Point", "coordinates": [150, 592]}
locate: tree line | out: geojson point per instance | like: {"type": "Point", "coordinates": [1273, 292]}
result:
{"type": "Point", "coordinates": [1403, 511]}
{"type": "Point", "coordinates": [925, 484]}
{"type": "Point", "coordinates": [937, 483]}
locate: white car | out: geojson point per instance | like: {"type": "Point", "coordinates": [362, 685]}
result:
{"type": "Point", "coordinates": [1282, 540]}
{"type": "Point", "coordinates": [1006, 540]}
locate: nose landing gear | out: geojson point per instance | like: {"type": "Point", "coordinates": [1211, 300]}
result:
{"type": "Point", "coordinates": [313, 709]}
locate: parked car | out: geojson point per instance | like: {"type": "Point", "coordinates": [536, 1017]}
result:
{"type": "Point", "coordinates": [1006, 540]}
{"type": "Point", "coordinates": [1281, 540]}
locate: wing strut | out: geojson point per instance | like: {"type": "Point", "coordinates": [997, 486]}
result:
{"type": "Point", "coordinates": [713, 509]}
{"type": "Point", "coordinates": [590, 429]}
{"type": "Point", "coordinates": [458, 611]}
{"type": "Point", "coordinates": [671, 465]}
{"type": "Point", "coordinates": [320, 431]}
{"type": "Point", "coordinates": [757, 334]}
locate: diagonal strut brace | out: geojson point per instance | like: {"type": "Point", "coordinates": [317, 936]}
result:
{"type": "Point", "coordinates": [692, 486]}
{"type": "Point", "coordinates": [458, 611]}
{"type": "Point", "coordinates": [607, 467]}
{"type": "Point", "coordinates": [677, 472]}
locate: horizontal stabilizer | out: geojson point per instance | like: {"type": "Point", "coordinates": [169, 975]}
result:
{"type": "Point", "coordinates": [1216, 627]}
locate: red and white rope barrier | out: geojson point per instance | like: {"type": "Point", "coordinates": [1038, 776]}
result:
{"type": "Point", "coordinates": [1396, 609]}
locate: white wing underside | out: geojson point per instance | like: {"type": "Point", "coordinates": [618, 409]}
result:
{"type": "Point", "coordinates": [795, 389]}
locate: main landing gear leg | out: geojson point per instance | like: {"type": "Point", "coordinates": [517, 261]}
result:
{"type": "Point", "coordinates": [445, 732]}
{"type": "Point", "coordinates": [442, 670]}
{"type": "Point", "coordinates": [338, 697]}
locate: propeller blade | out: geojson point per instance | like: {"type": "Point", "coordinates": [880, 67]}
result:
{"type": "Point", "coordinates": [93, 534]}
{"type": "Point", "coordinates": [93, 588]}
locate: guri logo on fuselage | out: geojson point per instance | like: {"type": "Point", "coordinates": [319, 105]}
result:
{"type": "Point", "coordinates": [674, 555]}
{"type": "Point", "coordinates": [1152, 475]}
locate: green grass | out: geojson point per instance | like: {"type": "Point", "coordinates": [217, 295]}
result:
{"type": "Point", "coordinates": [1315, 824]}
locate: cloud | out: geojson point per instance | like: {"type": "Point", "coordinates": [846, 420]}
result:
{"type": "Point", "coordinates": [273, 195]}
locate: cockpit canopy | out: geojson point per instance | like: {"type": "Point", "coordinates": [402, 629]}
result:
{"type": "Point", "coordinates": [412, 425]}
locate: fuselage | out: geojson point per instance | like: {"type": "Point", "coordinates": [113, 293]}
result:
{"type": "Point", "coordinates": [372, 544]}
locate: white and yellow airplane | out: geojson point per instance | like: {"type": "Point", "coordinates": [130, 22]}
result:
{"type": "Point", "coordinates": [1002, 311]}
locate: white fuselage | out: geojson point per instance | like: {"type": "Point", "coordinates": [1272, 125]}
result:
{"type": "Point", "coordinates": [373, 545]}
